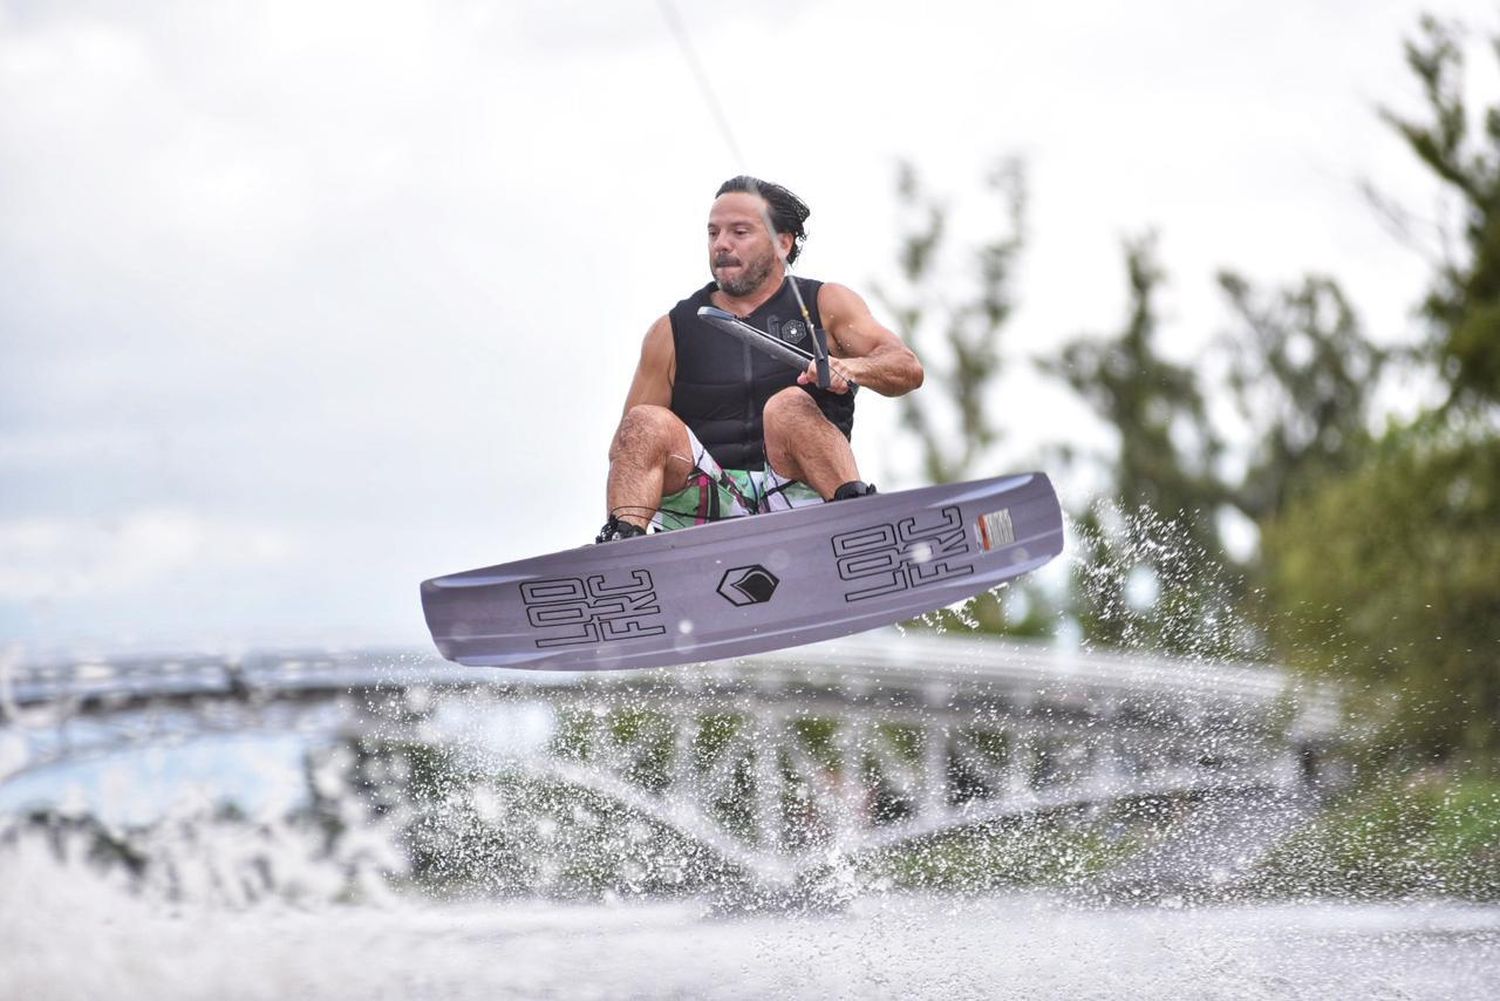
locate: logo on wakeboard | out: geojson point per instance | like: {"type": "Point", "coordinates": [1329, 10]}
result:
{"type": "Point", "coordinates": [752, 585]}
{"type": "Point", "coordinates": [593, 609]}
{"type": "Point", "coordinates": [887, 559]}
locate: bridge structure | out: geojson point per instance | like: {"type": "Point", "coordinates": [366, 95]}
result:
{"type": "Point", "coordinates": [775, 762]}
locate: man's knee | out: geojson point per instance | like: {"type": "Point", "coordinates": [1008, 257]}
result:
{"type": "Point", "coordinates": [788, 409]}
{"type": "Point", "coordinates": [787, 418]}
{"type": "Point", "coordinates": [648, 430]}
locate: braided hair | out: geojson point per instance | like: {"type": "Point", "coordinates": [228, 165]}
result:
{"type": "Point", "coordinates": [787, 211]}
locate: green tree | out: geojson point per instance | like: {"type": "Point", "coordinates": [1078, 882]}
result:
{"type": "Point", "coordinates": [1150, 558]}
{"type": "Point", "coordinates": [1463, 305]}
{"type": "Point", "coordinates": [955, 326]}
{"type": "Point", "coordinates": [1165, 446]}
{"type": "Point", "coordinates": [1389, 573]}
{"type": "Point", "coordinates": [1302, 375]}
{"type": "Point", "coordinates": [953, 314]}
{"type": "Point", "coordinates": [1389, 578]}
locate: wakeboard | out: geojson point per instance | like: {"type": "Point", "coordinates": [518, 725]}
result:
{"type": "Point", "coordinates": [747, 585]}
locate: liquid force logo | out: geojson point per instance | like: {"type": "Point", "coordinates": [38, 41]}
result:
{"type": "Point", "coordinates": [594, 609]}
{"type": "Point", "coordinates": [887, 559]}
{"type": "Point", "coordinates": [752, 585]}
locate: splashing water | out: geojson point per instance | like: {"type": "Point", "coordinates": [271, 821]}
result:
{"type": "Point", "coordinates": [1145, 582]}
{"type": "Point", "coordinates": [78, 939]}
{"type": "Point", "coordinates": [912, 816]}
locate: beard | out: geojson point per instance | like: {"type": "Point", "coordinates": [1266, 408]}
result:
{"type": "Point", "coordinates": [751, 277]}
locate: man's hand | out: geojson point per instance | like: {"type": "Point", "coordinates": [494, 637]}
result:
{"type": "Point", "coordinates": [837, 383]}
{"type": "Point", "coordinates": [866, 352]}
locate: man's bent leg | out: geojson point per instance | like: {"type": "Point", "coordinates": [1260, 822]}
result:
{"type": "Point", "coordinates": [802, 444]}
{"type": "Point", "coordinates": [651, 456]}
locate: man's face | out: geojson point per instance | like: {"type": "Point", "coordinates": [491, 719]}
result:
{"type": "Point", "coordinates": [740, 252]}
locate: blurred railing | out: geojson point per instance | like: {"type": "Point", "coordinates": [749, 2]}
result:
{"type": "Point", "coordinates": [772, 761]}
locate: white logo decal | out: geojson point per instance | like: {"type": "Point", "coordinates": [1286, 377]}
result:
{"type": "Point", "coordinates": [792, 331]}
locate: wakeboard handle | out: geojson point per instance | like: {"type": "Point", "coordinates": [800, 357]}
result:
{"type": "Point", "coordinates": [765, 343]}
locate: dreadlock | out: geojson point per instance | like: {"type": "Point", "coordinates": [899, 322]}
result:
{"type": "Point", "coordinates": [787, 211]}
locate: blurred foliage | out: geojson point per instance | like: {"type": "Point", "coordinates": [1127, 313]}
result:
{"type": "Point", "coordinates": [1390, 576]}
{"type": "Point", "coordinates": [1159, 480]}
{"type": "Point", "coordinates": [1301, 375]}
{"type": "Point", "coordinates": [1386, 569]}
{"type": "Point", "coordinates": [1372, 559]}
{"type": "Point", "coordinates": [953, 313]}
{"type": "Point", "coordinates": [1463, 305]}
{"type": "Point", "coordinates": [1423, 835]}
{"type": "Point", "coordinates": [1165, 452]}
{"type": "Point", "coordinates": [1064, 849]}
{"type": "Point", "coordinates": [955, 428]}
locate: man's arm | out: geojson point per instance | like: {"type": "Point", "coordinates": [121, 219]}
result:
{"type": "Point", "coordinates": [867, 352]}
{"type": "Point", "coordinates": [656, 369]}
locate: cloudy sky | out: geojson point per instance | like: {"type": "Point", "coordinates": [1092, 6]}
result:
{"type": "Point", "coordinates": [303, 302]}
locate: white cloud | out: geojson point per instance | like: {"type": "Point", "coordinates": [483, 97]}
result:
{"type": "Point", "coordinates": [49, 558]}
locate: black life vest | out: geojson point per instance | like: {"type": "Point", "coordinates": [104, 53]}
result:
{"type": "Point", "coordinates": [722, 384]}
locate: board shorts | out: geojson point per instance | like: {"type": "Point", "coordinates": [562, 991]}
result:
{"type": "Point", "coordinates": [713, 493]}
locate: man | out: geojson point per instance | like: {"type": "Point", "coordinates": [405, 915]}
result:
{"type": "Point", "coordinates": [713, 429]}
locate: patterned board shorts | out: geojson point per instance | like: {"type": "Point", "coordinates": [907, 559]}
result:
{"type": "Point", "coordinates": [713, 493]}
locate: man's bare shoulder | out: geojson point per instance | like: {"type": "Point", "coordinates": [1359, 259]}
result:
{"type": "Point", "coordinates": [659, 334]}
{"type": "Point", "coordinates": [658, 349]}
{"type": "Point", "coordinates": [837, 293]}
{"type": "Point", "coordinates": [657, 368]}
{"type": "Point", "coordinates": [839, 304]}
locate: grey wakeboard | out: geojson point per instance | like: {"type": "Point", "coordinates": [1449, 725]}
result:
{"type": "Point", "coordinates": [747, 585]}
